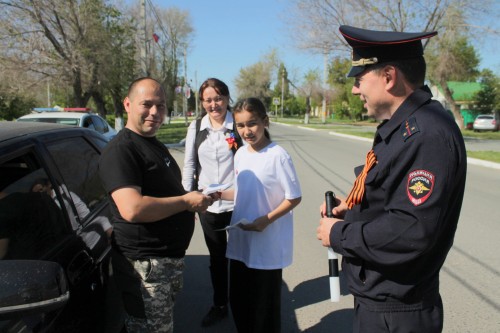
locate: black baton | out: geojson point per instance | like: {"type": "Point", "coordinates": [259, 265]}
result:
{"type": "Point", "coordinates": [333, 262]}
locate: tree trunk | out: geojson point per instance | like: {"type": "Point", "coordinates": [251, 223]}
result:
{"type": "Point", "coordinates": [118, 106]}
{"type": "Point", "coordinates": [100, 104]}
{"type": "Point", "coordinates": [455, 109]}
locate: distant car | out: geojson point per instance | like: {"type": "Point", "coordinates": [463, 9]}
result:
{"type": "Point", "coordinates": [54, 231]}
{"type": "Point", "coordinates": [80, 119]}
{"type": "Point", "coordinates": [486, 122]}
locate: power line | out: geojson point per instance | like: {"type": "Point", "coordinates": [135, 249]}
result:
{"type": "Point", "coordinates": [160, 24]}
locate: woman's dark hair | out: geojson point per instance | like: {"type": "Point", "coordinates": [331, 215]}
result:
{"type": "Point", "coordinates": [255, 106]}
{"type": "Point", "coordinates": [219, 86]}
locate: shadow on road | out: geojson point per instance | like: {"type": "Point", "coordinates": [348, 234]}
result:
{"type": "Point", "coordinates": [196, 298]}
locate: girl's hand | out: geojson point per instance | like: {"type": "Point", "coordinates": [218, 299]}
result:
{"type": "Point", "coordinates": [215, 196]}
{"type": "Point", "coordinates": [259, 224]}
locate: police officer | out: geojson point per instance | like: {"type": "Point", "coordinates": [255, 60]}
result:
{"type": "Point", "coordinates": [395, 228]}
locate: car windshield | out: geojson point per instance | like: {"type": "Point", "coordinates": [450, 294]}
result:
{"type": "Point", "coordinates": [64, 121]}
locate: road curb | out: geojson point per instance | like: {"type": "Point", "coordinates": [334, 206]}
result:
{"type": "Point", "coordinates": [470, 160]}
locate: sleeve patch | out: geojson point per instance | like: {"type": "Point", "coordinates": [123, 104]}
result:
{"type": "Point", "coordinates": [420, 186]}
{"type": "Point", "coordinates": [408, 128]}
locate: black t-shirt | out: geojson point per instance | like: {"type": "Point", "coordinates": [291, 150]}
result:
{"type": "Point", "coordinates": [133, 160]}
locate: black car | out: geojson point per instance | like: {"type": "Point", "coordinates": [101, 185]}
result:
{"type": "Point", "coordinates": [54, 230]}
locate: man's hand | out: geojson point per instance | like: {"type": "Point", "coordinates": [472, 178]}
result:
{"type": "Point", "coordinates": [323, 231]}
{"type": "Point", "coordinates": [339, 211]}
{"type": "Point", "coordinates": [197, 201]}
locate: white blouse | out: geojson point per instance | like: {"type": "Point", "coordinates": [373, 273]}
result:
{"type": "Point", "coordinates": [215, 157]}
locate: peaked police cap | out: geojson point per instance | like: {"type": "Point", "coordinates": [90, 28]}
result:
{"type": "Point", "coordinates": [371, 47]}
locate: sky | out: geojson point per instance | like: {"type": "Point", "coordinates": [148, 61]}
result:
{"type": "Point", "coordinates": [233, 34]}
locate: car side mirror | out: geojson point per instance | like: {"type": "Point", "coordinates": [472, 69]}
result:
{"type": "Point", "coordinates": [31, 287]}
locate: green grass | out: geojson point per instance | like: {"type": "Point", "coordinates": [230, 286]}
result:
{"type": "Point", "coordinates": [363, 134]}
{"type": "Point", "coordinates": [177, 129]}
{"type": "Point", "coordinates": [492, 156]}
{"type": "Point", "coordinates": [481, 135]}
{"type": "Point", "coordinates": [172, 133]}
{"type": "Point", "coordinates": [359, 129]}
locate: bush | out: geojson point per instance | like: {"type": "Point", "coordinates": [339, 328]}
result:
{"type": "Point", "coordinates": [14, 107]}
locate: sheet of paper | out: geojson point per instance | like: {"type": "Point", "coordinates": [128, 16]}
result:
{"type": "Point", "coordinates": [212, 188]}
{"type": "Point", "coordinates": [236, 225]}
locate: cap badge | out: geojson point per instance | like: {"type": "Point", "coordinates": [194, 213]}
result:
{"type": "Point", "coordinates": [365, 61]}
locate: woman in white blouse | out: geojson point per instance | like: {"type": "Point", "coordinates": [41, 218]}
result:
{"type": "Point", "coordinates": [209, 160]}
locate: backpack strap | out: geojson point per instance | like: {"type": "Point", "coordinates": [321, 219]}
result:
{"type": "Point", "coordinates": [200, 136]}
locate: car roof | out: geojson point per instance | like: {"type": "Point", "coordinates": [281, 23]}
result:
{"type": "Point", "coordinates": [57, 115]}
{"type": "Point", "coordinates": [13, 129]}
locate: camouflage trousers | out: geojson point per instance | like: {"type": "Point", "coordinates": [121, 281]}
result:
{"type": "Point", "coordinates": [148, 289]}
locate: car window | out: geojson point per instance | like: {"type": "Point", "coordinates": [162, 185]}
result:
{"type": "Point", "coordinates": [77, 161]}
{"type": "Point", "coordinates": [88, 123]}
{"type": "Point", "coordinates": [99, 124]}
{"type": "Point", "coordinates": [31, 218]}
{"type": "Point", "coordinates": [64, 121]}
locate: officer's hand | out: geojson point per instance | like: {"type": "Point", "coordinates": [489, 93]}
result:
{"type": "Point", "coordinates": [323, 231]}
{"type": "Point", "coordinates": [338, 211]}
{"type": "Point", "coordinates": [341, 209]}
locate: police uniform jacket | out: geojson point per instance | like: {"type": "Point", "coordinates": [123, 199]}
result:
{"type": "Point", "coordinates": [395, 241]}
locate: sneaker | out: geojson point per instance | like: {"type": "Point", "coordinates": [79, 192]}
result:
{"type": "Point", "coordinates": [216, 314]}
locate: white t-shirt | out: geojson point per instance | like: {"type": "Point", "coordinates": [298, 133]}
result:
{"type": "Point", "coordinates": [262, 181]}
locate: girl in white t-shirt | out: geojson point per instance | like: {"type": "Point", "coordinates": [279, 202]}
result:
{"type": "Point", "coordinates": [265, 192]}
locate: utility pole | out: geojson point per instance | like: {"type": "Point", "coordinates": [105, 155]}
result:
{"type": "Point", "coordinates": [48, 93]}
{"type": "Point", "coordinates": [196, 97]}
{"type": "Point", "coordinates": [186, 87]}
{"type": "Point", "coordinates": [282, 91]}
{"type": "Point", "coordinates": [323, 109]}
{"type": "Point", "coordinates": [143, 39]}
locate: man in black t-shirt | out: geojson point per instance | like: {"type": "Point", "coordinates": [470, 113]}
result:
{"type": "Point", "coordinates": [153, 216]}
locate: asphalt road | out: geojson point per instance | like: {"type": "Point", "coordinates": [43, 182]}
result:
{"type": "Point", "coordinates": [469, 278]}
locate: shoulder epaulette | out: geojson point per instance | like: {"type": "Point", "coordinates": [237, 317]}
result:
{"type": "Point", "coordinates": [408, 128]}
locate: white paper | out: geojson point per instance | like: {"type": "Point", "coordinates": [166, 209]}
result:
{"type": "Point", "coordinates": [212, 188]}
{"type": "Point", "coordinates": [236, 225]}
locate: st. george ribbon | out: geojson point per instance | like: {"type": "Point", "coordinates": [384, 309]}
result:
{"type": "Point", "coordinates": [333, 262]}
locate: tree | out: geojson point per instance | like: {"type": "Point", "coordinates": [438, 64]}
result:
{"type": "Point", "coordinates": [282, 88]}
{"type": "Point", "coordinates": [488, 98]}
{"type": "Point", "coordinates": [282, 84]}
{"type": "Point", "coordinates": [60, 40]}
{"type": "Point", "coordinates": [175, 31]}
{"type": "Point", "coordinates": [255, 80]}
{"type": "Point", "coordinates": [315, 22]}
{"type": "Point", "coordinates": [338, 79]}
{"type": "Point", "coordinates": [119, 60]}
{"type": "Point", "coordinates": [14, 106]}
{"type": "Point", "coordinates": [452, 59]}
